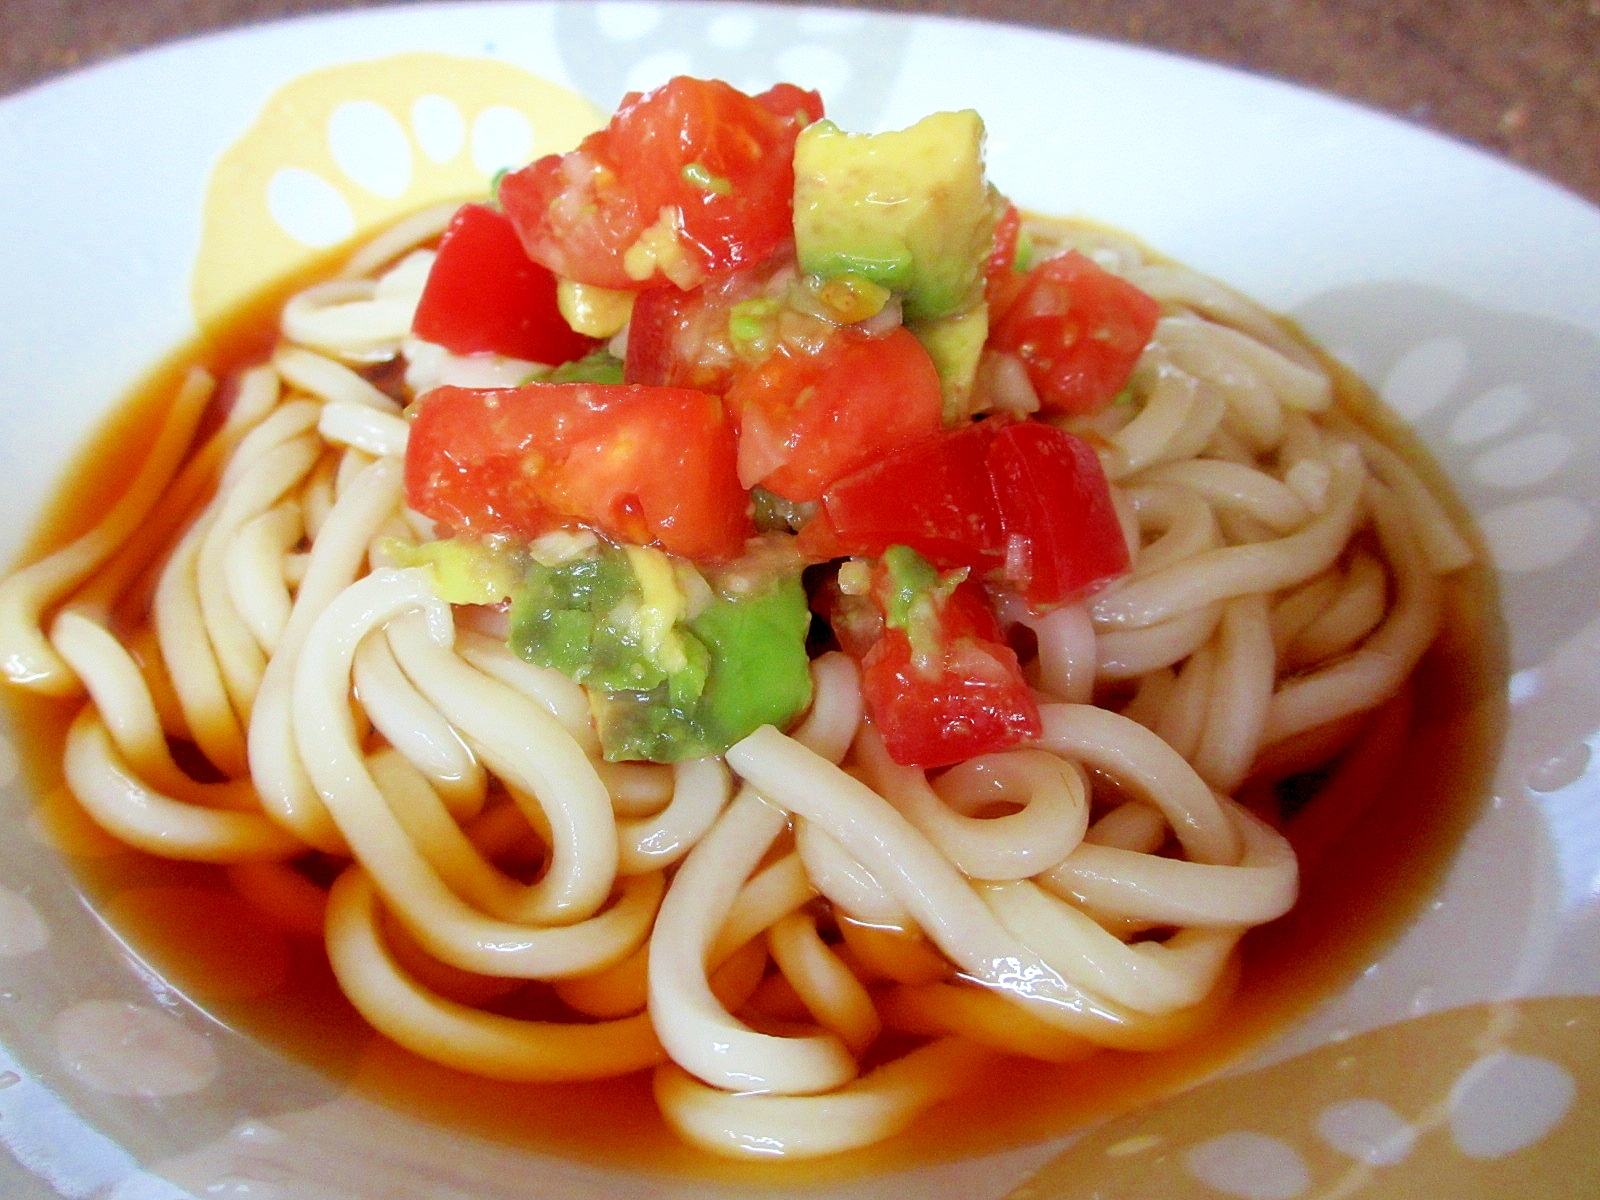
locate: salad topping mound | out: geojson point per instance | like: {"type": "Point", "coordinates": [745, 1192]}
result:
{"type": "Point", "coordinates": [783, 387]}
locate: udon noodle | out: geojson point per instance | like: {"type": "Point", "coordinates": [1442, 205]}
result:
{"type": "Point", "coordinates": [806, 942]}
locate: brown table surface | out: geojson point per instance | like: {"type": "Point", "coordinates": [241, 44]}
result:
{"type": "Point", "coordinates": [1518, 77]}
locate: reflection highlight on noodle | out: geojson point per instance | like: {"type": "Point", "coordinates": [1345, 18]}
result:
{"type": "Point", "coordinates": [818, 656]}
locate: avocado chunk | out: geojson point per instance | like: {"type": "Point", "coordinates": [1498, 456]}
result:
{"type": "Point", "coordinates": [760, 671]}
{"type": "Point", "coordinates": [665, 685]}
{"type": "Point", "coordinates": [461, 570]}
{"type": "Point", "coordinates": [955, 344]}
{"type": "Point", "coordinates": [909, 209]}
{"type": "Point", "coordinates": [601, 366]}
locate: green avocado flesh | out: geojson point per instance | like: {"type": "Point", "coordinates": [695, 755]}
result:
{"type": "Point", "coordinates": [664, 686]}
{"type": "Point", "coordinates": [909, 209]}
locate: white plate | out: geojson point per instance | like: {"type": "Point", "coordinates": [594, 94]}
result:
{"type": "Point", "coordinates": [1466, 290]}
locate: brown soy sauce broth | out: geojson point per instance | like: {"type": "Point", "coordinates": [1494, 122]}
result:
{"type": "Point", "coordinates": [1372, 871]}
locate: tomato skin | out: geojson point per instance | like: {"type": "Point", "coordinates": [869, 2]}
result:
{"type": "Point", "coordinates": [485, 295]}
{"type": "Point", "coordinates": [1054, 500]}
{"type": "Point", "coordinates": [806, 419]}
{"type": "Point", "coordinates": [787, 101]}
{"type": "Point", "coordinates": [717, 162]}
{"type": "Point", "coordinates": [1001, 279]}
{"type": "Point", "coordinates": [977, 704]}
{"type": "Point", "coordinates": [1078, 329]}
{"type": "Point", "coordinates": [966, 696]}
{"type": "Point", "coordinates": [642, 465]}
{"type": "Point", "coordinates": [658, 314]}
{"type": "Point", "coordinates": [1020, 502]}
{"type": "Point", "coordinates": [680, 338]}
{"type": "Point", "coordinates": [933, 496]}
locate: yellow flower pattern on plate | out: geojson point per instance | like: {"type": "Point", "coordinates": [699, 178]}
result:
{"type": "Point", "coordinates": [339, 152]}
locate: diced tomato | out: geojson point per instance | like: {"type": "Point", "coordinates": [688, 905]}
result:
{"type": "Point", "coordinates": [856, 621]}
{"type": "Point", "coordinates": [1021, 502]}
{"type": "Point", "coordinates": [1063, 538]}
{"type": "Point", "coordinates": [1078, 329]}
{"type": "Point", "coordinates": [683, 339]}
{"type": "Point", "coordinates": [693, 178]}
{"type": "Point", "coordinates": [485, 295]}
{"type": "Point", "coordinates": [658, 314]}
{"type": "Point", "coordinates": [806, 419]}
{"type": "Point", "coordinates": [934, 496]}
{"type": "Point", "coordinates": [642, 465]}
{"type": "Point", "coordinates": [1007, 233]}
{"type": "Point", "coordinates": [1001, 278]}
{"type": "Point", "coordinates": [949, 687]}
{"type": "Point", "coordinates": [788, 102]}
{"type": "Point", "coordinates": [977, 703]}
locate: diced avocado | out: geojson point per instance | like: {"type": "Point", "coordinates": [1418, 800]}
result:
{"type": "Point", "coordinates": [599, 367]}
{"type": "Point", "coordinates": [462, 571]}
{"type": "Point", "coordinates": [955, 343]}
{"type": "Point", "coordinates": [665, 685]}
{"type": "Point", "coordinates": [593, 311]}
{"type": "Point", "coordinates": [916, 594]}
{"type": "Point", "coordinates": [849, 298]}
{"type": "Point", "coordinates": [911, 578]}
{"type": "Point", "coordinates": [561, 617]}
{"type": "Point", "coordinates": [908, 209]}
{"type": "Point", "coordinates": [760, 671]}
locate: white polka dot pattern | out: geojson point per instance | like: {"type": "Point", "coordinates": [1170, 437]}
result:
{"type": "Point", "coordinates": [1369, 1131]}
{"type": "Point", "coordinates": [125, 1049]}
{"type": "Point", "coordinates": [22, 929]}
{"type": "Point", "coordinates": [1250, 1166]}
{"type": "Point", "coordinates": [1507, 1102]}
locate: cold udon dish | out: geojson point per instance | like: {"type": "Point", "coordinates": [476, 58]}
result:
{"type": "Point", "coordinates": [818, 632]}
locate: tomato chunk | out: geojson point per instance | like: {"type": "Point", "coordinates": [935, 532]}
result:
{"type": "Point", "coordinates": [791, 103]}
{"type": "Point", "coordinates": [806, 419]}
{"type": "Point", "coordinates": [1063, 538]}
{"type": "Point", "coordinates": [687, 180]}
{"type": "Point", "coordinates": [1019, 502]}
{"type": "Point", "coordinates": [485, 295]}
{"type": "Point", "coordinates": [934, 496]}
{"type": "Point", "coordinates": [977, 703]}
{"type": "Point", "coordinates": [1078, 329]}
{"type": "Point", "coordinates": [642, 465]}
{"type": "Point", "coordinates": [938, 680]}
{"type": "Point", "coordinates": [658, 318]}
{"type": "Point", "coordinates": [1001, 278]}
{"type": "Point", "coordinates": [680, 338]}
